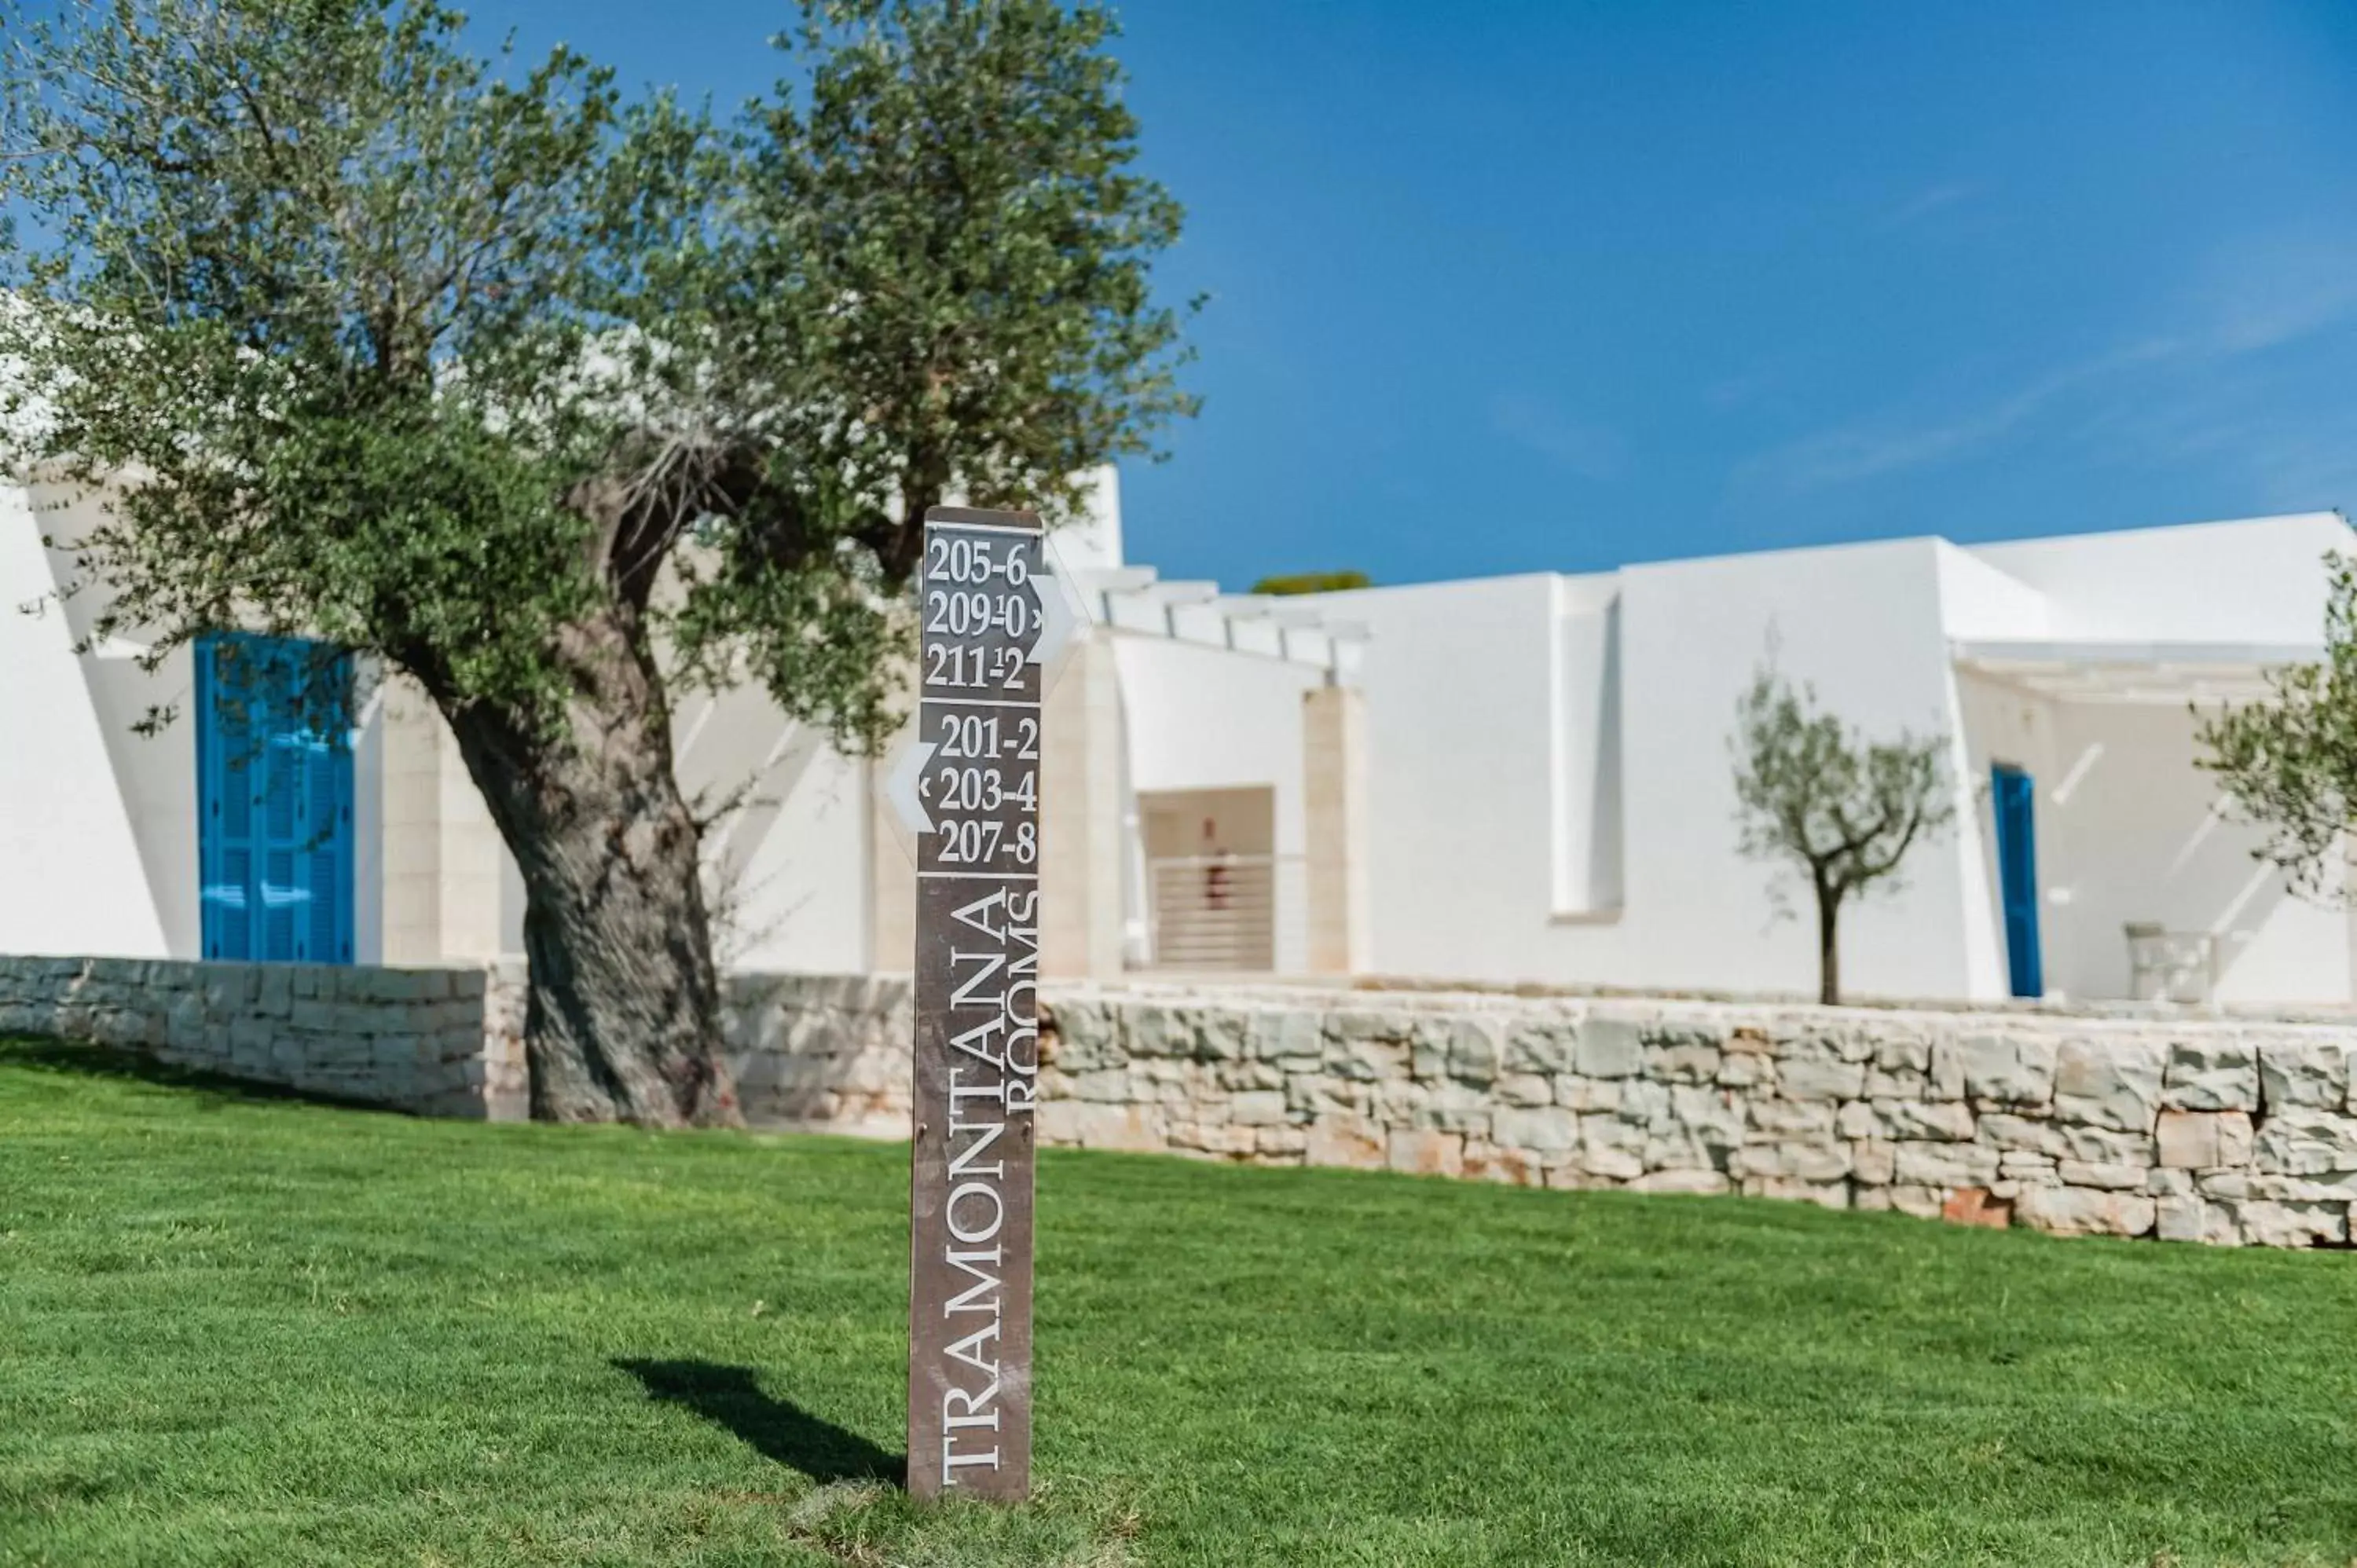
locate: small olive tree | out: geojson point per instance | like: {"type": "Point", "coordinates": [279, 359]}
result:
{"type": "Point", "coordinates": [1816, 796]}
{"type": "Point", "coordinates": [2289, 764]}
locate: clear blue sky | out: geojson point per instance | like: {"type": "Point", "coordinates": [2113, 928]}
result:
{"type": "Point", "coordinates": [1528, 284]}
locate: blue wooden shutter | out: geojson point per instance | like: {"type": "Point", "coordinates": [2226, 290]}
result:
{"type": "Point", "coordinates": [328, 793]}
{"type": "Point", "coordinates": [274, 841]}
{"type": "Point", "coordinates": [318, 783]}
{"type": "Point", "coordinates": [280, 896]}
{"type": "Point", "coordinates": [225, 838]}
{"type": "Point", "coordinates": [2015, 802]}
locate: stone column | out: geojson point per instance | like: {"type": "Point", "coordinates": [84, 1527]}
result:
{"type": "Point", "coordinates": [1334, 822]}
{"type": "Point", "coordinates": [891, 877]}
{"type": "Point", "coordinates": [2348, 919]}
{"type": "Point", "coordinates": [1080, 810]}
{"type": "Point", "coordinates": [439, 851]}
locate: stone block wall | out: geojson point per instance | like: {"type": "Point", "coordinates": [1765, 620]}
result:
{"type": "Point", "coordinates": [412, 1038]}
{"type": "Point", "coordinates": [2232, 1131]}
{"type": "Point", "coordinates": [2196, 1129]}
{"type": "Point", "coordinates": [810, 1052]}
{"type": "Point", "coordinates": [823, 1052]}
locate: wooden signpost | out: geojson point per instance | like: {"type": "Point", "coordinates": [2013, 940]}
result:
{"type": "Point", "coordinates": [969, 790]}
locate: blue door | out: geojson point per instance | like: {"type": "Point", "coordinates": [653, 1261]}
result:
{"type": "Point", "coordinates": [2015, 797]}
{"type": "Point", "coordinates": [275, 807]}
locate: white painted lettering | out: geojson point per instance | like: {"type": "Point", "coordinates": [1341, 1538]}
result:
{"type": "Point", "coordinates": [985, 1284]}
{"type": "Point", "coordinates": [975, 1235]}
{"type": "Point", "coordinates": [951, 1459]}
{"type": "Point", "coordinates": [960, 1093]}
{"type": "Point", "coordinates": [971, 1349]}
{"type": "Point", "coordinates": [982, 907]}
{"type": "Point", "coordinates": [963, 1165]}
{"type": "Point", "coordinates": [976, 1042]}
{"type": "Point", "coordinates": [991, 964]}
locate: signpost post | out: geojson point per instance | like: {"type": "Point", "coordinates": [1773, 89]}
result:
{"type": "Point", "coordinates": [968, 789]}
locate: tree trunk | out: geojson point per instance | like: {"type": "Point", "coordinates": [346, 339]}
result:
{"type": "Point", "coordinates": [1829, 947]}
{"type": "Point", "coordinates": [624, 1017]}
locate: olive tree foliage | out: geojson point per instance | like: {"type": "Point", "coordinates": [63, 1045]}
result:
{"type": "Point", "coordinates": [2288, 764]}
{"type": "Point", "coordinates": [275, 234]}
{"type": "Point", "coordinates": [1815, 796]}
{"type": "Point", "coordinates": [559, 403]}
{"type": "Point", "coordinates": [1313, 582]}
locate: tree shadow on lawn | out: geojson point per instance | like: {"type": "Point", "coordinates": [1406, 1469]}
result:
{"type": "Point", "coordinates": [779, 1429]}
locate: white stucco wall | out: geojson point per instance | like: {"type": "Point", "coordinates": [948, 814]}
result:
{"type": "Point", "coordinates": [789, 864]}
{"type": "Point", "coordinates": [1196, 718]}
{"type": "Point", "coordinates": [1862, 625]}
{"type": "Point", "coordinates": [156, 779]}
{"type": "Point", "coordinates": [1980, 601]}
{"type": "Point", "coordinates": [1495, 844]}
{"type": "Point", "coordinates": [89, 781]}
{"type": "Point", "coordinates": [1202, 718]}
{"type": "Point", "coordinates": [2130, 829]}
{"type": "Point", "coordinates": [1465, 775]}
{"type": "Point", "coordinates": [2257, 581]}
{"type": "Point", "coordinates": [1588, 830]}
{"type": "Point", "coordinates": [73, 877]}
{"type": "Point", "coordinates": [2001, 725]}
{"type": "Point", "coordinates": [1528, 823]}
{"type": "Point", "coordinates": [1548, 775]}
{"type": "Point", "coordinates": [1092, 540]}
{"type": "Point", "coordinates": [2144, 838]}
{"type": "Point", "coordinates": [368, 828]}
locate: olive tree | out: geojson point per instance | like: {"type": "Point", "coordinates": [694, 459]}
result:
{"type": "Point", "coordinates": [556, 402]}
{"type": "Point", "coordinates": [2289, 764]}
{"type": "Point", "coordinates": [1817, 797]}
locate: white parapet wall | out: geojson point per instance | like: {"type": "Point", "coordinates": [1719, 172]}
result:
{"type": "Point", "coordinates": [2227, 1129]}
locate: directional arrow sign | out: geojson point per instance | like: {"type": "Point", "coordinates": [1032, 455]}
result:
{"type": "Point", "coordinates": [1057, 622]}
{"type": "Point", "coordinates": [905, 786]}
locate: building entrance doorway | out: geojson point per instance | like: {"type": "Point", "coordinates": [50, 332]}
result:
{"type": "Point", "coordinates": [2014, 796]}
{"type": "Point", "coordinates": [274, 807]}
{"type": "Point", "coordinates": [1215, 881]}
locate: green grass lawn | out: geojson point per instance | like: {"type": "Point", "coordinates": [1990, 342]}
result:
{"type": "Point", "coordinates": [235, 1329]}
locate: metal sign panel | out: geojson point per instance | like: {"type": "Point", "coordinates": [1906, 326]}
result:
{"type": "Point", "coordinates": [969, 789]}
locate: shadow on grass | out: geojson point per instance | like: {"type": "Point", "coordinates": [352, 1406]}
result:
{"type": "Point", "coordinates": [88, 1060]}
{"type": "Point", "coordinates": [779, 1429]}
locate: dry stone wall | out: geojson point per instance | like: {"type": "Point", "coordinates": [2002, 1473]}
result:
{"type": "Point", "coordinates": [2227, 1130]}
{"type": "Point", "coordinates": [818, 1051]}
{"type": "Point", "coordinates": [823, 1052]}
{"type": "Point", "coordinates": [810, 1052]}
{"type": "Point", "coordinates": [412, 1038]}
{"type": "Point", "coordinates": [2195, 1129]}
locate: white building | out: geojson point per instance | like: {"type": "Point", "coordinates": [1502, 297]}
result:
{"type": "Point", "coordinates": [1552, 794]}
{"type": "Point", "coordinates": [1189, 725]}
{"type": "Point", "coordinates": [1521, 778]}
